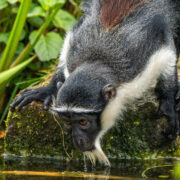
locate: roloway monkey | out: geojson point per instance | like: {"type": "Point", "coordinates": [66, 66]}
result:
{"type": "Point", "coordinates": [115, 52]}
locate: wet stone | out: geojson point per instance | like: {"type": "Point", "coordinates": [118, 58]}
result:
{"type": "Point", "coordinates": [34, 132]}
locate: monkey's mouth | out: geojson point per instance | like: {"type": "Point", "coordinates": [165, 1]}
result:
{"type": "Point", "coordinates": [89, 148]}
{"type": "Point", "coordinates": [84, 147]}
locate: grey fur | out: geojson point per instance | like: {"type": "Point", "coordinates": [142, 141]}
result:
{"type": "Point", "coordinates": [117, 55]}
{"type": "Point", "coordinates": [116, 48]}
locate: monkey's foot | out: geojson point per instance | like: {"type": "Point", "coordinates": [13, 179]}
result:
{"type": "Point", "coordinates": [167, 109]}
{"type": "Point", "coordinates": [43, 94]}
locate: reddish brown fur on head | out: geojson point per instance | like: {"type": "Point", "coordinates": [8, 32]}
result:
{"type": "Point", "coordinates": [113, 11]}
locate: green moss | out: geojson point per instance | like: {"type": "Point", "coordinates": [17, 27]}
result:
{"type": "Point", "coordinates": [33, 132]}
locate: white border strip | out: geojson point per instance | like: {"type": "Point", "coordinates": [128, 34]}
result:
{"type": "Point", "coordinates": [74, 109]}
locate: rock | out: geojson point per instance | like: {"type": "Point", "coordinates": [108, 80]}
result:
{"type": "Point", "coordinates": [34, 132]}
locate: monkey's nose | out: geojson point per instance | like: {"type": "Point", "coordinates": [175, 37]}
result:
{"type": "Point", "coordinates": [81, 142]}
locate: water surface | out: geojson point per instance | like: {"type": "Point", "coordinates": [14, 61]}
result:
{"type": "Point", "coordinates": [50, 168]}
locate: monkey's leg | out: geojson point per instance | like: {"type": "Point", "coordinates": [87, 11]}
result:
{"type": "Point", "coordinates": [166, 90]}
{"type": "Point", "coordinates": [43, 94]}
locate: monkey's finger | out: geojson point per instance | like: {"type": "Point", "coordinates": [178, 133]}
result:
{"type": "Point", "coordinates": [24, 94]}
{"type": "Point", "coordinates": [27, 90]}
{"type": "Point", "coordinates": [19, 99]}
{"type": "Point", "coordinates": [16, 102]}
{"type": "Point", "coordinates": [47, 103]}
{"type": "Point", "coordinates": [26, 101]}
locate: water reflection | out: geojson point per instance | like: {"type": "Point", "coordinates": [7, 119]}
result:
{"type": "Point", "coordinates": [45, 169]}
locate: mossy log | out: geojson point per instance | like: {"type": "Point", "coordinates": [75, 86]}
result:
{"type": "Point", "coordinates": [34, 132]}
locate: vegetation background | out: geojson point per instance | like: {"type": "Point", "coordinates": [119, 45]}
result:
{"type": "Point", "coordinates": [31, 36]}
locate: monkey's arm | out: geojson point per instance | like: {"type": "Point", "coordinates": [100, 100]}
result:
{"type": "Point", "coordinates": [167, 83]}
{"type": "Point", "coordinates": [43, 94]}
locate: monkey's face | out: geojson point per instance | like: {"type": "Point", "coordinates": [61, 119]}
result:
{"type": "Point", "coordinates": [84, 129]}
{"type": "Point", "coordinates": [80, 107]}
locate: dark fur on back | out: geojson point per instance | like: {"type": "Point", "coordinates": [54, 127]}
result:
{"type": "Point", "coordinates": [113, 11]}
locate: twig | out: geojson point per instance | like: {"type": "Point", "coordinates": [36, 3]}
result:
{"type": "Point", "coordinates": [73, 3]}
{"type": "Point", "coordinates": [62, 133]}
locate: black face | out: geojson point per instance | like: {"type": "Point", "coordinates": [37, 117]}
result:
{"type": "Point", "coordinates": [84, 129]}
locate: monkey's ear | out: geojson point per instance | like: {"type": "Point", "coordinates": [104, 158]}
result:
{"type": "Point", "coordinates": [59, 84]}
{"type": "Point", "coordinates": [109, 92]}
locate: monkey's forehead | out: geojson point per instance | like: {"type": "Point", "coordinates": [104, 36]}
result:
{"type": "Point", "coordinates": [78, 110]}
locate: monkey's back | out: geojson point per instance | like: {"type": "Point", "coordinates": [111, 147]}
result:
{"type": "Point", "coordinates": [125, 48]}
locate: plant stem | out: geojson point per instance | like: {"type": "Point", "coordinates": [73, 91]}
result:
{"type": "Point", "coordinates": [9, 103]}
{"type": "Point", "coordinates": [15, 35]}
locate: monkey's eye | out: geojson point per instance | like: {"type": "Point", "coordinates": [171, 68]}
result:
{"type": "Point", "coordinates": [67, 122]}
{"type": "Point", "coordinates": [83, 122]}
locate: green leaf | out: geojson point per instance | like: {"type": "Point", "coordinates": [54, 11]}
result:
{"type": "Point", "coordinates": [29, 47]}
{"type": "Point", "coordinates": [4, 37]}
{"type": "Point", "coordinates": [15, 10]}
{"type": "Point", "coordinates": [47, 4]}
{"type": "Point", "coordinates": [33, 36]}
{"type": "Point", "coordinates": [23, 35]}
{"type": "Point", "coordinates": [3, 4]}
{"type": "Point", "coordinates": [35, 21]}
{"type": "Point", "coordinates": [19, 49]}
{"type": "Point", "coordinates": [12, 1]}
{"type": "Point", "coordinates": [64, 20]}
{"type": "Point", "coordinates": [48, 47]}
{"type": "Point", "coordinates": [5, 75]}
{"type": "Point", "coordinates": [36, 10]}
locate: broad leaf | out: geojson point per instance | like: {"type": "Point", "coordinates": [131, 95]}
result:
{"type": "Point", "coordinates": [3, 4]}
{"type": "Point", "coordinates": [36, 10]}
{"type": "Point", "coordinates": [47, 4]}
{"type": "Point", "coordinates": [4, 37]}
{"type": "Point", "coordinates": [64, 20]}
{"type": "Point", "coordinates": [12, 1]}
{"type": "Point", "coordinates": [48, 47]}
{"type": "Point", "coordinates": [36, 21]}
{"type": "Point", "coordinates": [19, 49]}
{"type": "Point", "coordinates": [23, 35]}
{"type": "Point", "coordinates": [15, 10]}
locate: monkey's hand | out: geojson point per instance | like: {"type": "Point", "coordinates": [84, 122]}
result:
{"type": "Point", "coordinates": [43, 94]}
{"type": "Point", "coordinates": [167, 108]}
